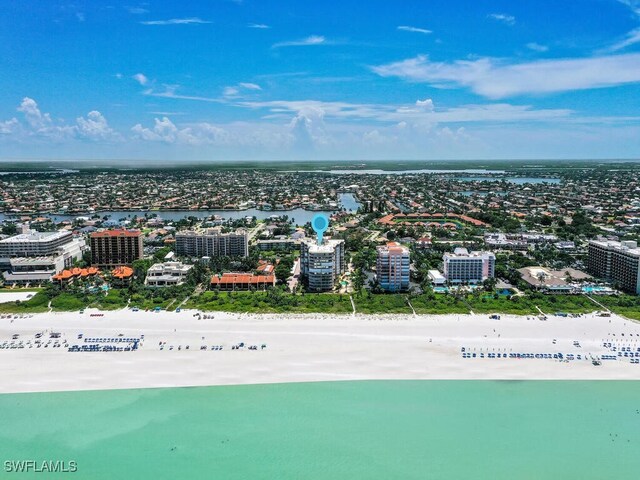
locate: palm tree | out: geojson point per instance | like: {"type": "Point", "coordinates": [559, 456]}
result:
{"type": "Point", "coordinates": [541, 278]}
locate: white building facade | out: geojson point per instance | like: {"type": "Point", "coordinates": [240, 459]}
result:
{"type": "Point", "coordinates": [321, 265]}
{"type": "Point", "coordinates": [462, 266]}
{"type": "Point", "coordinates": [168, 274]}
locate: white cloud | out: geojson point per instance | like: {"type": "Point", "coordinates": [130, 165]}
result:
{"type": "Point", "coordinates": [634, 5]}
{"type": "Point", "coordinates": [408, 28]}
{"type": "Point", "coordinates": [317, 129]}
{"type": "Point", "coordinates": [503, 17]}
{"type": "Point", "coordinates": [141, 79]}
{"type": "Point", "coordinates": [137, 10]}
{"type": "Point", "coordinates": [258, 25]}
{"type": "Point", "coordinates": [9, 127]}
{"type": "Point", "coordinates": [200, 134]}
{"type": "Point", "coordinates": [632, 38]}
{"type": "Point", "coordinates": [32, 114]}
{"type": "Point", "coordinates": [423, 111]}
{"type": "Point", "coordinates": [163, 131]}
{"type": "Point", "coordinates": [308, 128]}
{"type": "Point", "coordinates": [170, 92]}
{"type": "Point", "coordinates": [250, 86]}
{"type": "Point", "coordinates": [230, 91]}
{"type": "Point", "coordinates": [95, 127]}
{"type": "Point", "coordinates": [311, 40]}
{"type": "Point", "coordinates": [234, 91]}
{"type": "Point", "coordinates": [176, 21]}
{"type": "Point", "coordinates": [495, 79]}
{"type": "Point", "coordinates": [536, 47]}
{"type": "Point", "coordinates": [40, 125]}
{"type": "Point", "coordinates": [426, 104]}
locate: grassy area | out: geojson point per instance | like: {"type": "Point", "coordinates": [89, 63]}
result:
{"type": "Point", "coordinates": [19, 289]}
{"type": "Point", "coordinates": [566, 303]}
{"type": "Point", "coordinates": [115, 299]}
{"type": "Point", "coordinates": [36, 304]}
{"type": "Point", "coordinates": [151, 303]}
{"type": "Point", "coordinates": [369, 303]}
{"type": "Point", "coordinates": [66, 302]}
{"type": "Point", "coordinates": [438, 304]}
{"type": "Point", "coordinates": [263, 302]}
{"type": "Point", "coordinates": [513, 305]}
{"type": "Point", "coordinates": [627, 305]}
{"type": "Point", "coordinates": [280, 302]}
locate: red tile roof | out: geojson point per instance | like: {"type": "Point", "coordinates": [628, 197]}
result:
{"type": "Point", "coordinates": [116, 233]}
{"type": "Point", "coordinates": [122, 272]}
{"type": "Point", "coordinates": [240, 278]}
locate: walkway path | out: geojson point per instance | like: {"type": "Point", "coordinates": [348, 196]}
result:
{"type": "Point", "coordinates": [411, 306]}
{"type": "Point", "coordinates": [597, 303]}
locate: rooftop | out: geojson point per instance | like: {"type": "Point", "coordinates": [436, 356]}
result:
{"type": "Point", "coordinates": [464, 253]}
{"type": "Point", "coordinates": [628, 247]}
{"type": "Point", "coordinates": [328, 245]}
{"type": "Point", "coordinates": [122, 272]}
{"type": "Point", "coordinates": [231, 278]}
{"type": "Point", "coordinates": [35, 237]}
{"type": "Point", "coordinates": [116, 233]}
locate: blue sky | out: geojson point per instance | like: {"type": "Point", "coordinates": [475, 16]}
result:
{"type": "Point", "coordinates": [257, 79]}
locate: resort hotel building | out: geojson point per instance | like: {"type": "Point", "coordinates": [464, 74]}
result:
{"type": "Point", "coordinates": [212, 243]}
{"type": "Point", "coordinates": [463, 266]}
{"type": "Point", "coordinates": [113, 248]}
{"type": "Point", "coordinates": [392, 267]}
{"type": "Point", "coordinates": [615, 262]}
{"type": "Point", "coordinates": [34, 257]}
{"type": "Point", "coordinates": [34, 244]}
{"type": "Point", "coordinates": [321, 265]}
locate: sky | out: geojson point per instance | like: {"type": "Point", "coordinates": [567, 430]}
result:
{"type": "Point", "coordinates": [348, 79]}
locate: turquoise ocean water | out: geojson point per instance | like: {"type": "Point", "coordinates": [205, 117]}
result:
{"type": "Point", "coordinates": [342, 430]}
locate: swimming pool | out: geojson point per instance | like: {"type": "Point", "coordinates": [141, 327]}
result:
{"type": "Point", "coordinates": [595, 289]}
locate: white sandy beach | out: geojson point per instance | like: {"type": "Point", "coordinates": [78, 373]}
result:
{"type": "Point", "coordinates": [301, 348]}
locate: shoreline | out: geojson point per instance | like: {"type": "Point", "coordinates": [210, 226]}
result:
{"type": "Point", "coordinates": [306, 348]}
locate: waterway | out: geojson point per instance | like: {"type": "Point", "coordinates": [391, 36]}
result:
{"type": "Point", "coordinates": [299, 215]}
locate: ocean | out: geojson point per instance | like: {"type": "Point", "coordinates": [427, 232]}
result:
{"type": "Point", "coordinates": [333, 430]}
